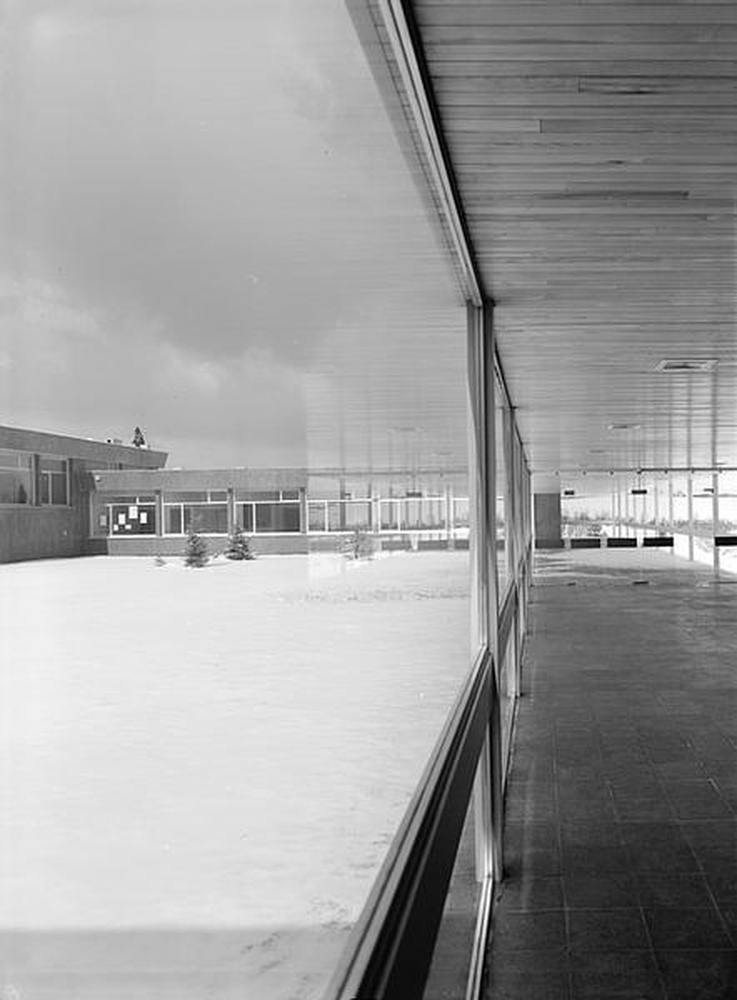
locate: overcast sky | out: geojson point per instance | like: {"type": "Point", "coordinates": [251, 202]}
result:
{"type": "Point", "coordinates": [207, 229]}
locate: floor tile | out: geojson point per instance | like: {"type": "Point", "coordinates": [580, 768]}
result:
{"type": "Point", "coordinates": [594, 859]}
{"type": "Point", "coordinates": [647, 809]}
{"type": "Point", "coordinates": [722, 881]}
{"type": "Point", "coordinates": [529, 976]}
{"type": "Point", "coordinates": [532, 894]}
{"type": "Point", "coordinates": [623, 975]}
{"type": "Point", "coordinates": [673, 927]}
{"type": "Point", "coordinates": [658, 847]}
{"type": "Point", "coordinates": [577, 833]}
{"type": "Point", "coordinates": [728, 912]}
{"type": "Point", "coordinates": [606, 930]}
{"type": "Point", "coordinates": [600, 890]}
{"type": "Point", "coordinates": [699, 975]}
{"type": "Point", "coordinates": [522, 860]}
{"type": "Point", "coordinates": [696, 800]}
{"type": "Point", "coordinates": [667, 889]}
{"type": "Point", "coordinates": [534, 931]}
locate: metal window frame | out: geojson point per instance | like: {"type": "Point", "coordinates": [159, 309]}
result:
{"type": "Point", "coordinates": [391, 946]}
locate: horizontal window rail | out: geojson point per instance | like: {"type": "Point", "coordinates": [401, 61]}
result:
{"type": "Point", "coordinates": [391, 946]}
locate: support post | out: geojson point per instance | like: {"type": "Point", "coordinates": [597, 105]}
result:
{"type": "Point", "coordinates": [715, 518]}
{"type": "Point", "coordinates": [488, 803]}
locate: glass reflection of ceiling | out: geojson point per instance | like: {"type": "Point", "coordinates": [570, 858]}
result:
{"type": "Point", "coordinates": [212, 232]}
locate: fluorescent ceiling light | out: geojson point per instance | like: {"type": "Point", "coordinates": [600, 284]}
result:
{"type": "Point", "coordinates": [686, 365]}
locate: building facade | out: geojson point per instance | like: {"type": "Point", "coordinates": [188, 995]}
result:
{"type": "Point", "coordinates": [62, 496]}
{"type": "Point", "coordinates": [151, 511]}
{"type": "Point", "coordinates": [45, 485]}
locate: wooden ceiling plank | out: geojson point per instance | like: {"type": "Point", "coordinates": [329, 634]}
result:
{"type": "Point", "coordinates": [546, 13]}
{"type": "Point", "coordinates": [607, 236]}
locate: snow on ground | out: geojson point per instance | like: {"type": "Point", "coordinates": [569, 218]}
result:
{"type": "Point", "coordinates": [201, 769]}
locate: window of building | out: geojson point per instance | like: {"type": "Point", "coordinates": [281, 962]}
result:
{"type": "Point", "coordinates": [53, 477]}
{"type": "Point", "coordinates": [277, 517]}
{"type": "Point", "coordinates": [206, 519]}
{"type": "Point", "coordinates": [260, 515]}
{"type": "Point", "coordinates": [16, 477]}
{"type": "Point", "coordinates": [203, 511]}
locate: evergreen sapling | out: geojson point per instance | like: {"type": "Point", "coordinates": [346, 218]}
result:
{"type": "Point", "coordinates": [195, 553]}
{"type": "Point", "coordinates": [239, 547]}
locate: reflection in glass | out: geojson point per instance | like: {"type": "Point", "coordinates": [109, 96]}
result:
{"type": "Point", "coordinates": [449, 971]}
{"type": "Point", "coordinates": [281, 302]}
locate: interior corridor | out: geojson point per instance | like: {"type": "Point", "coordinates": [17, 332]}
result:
{"type": "Point", "coordinates": [621, 804]}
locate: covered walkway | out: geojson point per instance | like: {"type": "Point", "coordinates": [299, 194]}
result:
{"type": "Point", "coordinates": [621, 805]}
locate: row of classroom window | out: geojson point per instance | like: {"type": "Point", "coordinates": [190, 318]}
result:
{"type": "Point", "coordinates": [31, 480]}
{"type": "Point", "coordinates": [137, 515]}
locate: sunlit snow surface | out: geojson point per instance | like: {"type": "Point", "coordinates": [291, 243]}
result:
{"type": "Point", "coordinates": [201, 769]}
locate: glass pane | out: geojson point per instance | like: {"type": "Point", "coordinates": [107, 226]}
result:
{"type": "Point", "coordinates": [277, 517]}
{"type": "Point", "coordinates": [336, 517]}
{"type": "Point", "coordinates": [389, 513]}
{"type": "Point", "coordinates": [173, 520]}
{"type": "Point", "coordinates": [15, 487]}
{"type": "Point", "coordinates": [461, 517]}
{"type": "Point", "coordinates": [316, 516]}
{"type": "Point", "coordinates": [501, 491]}
{"type": "Point", "coordinates": [727, 525]}
{"type": "Point", "coordinates": [185, 496]}
{"type": "Point", "coordinates": [117, 497]}
{"type": "Point", "coordinates": [256, 495]}
{"type": "Point", "coordinates": [451, 963]}
{"type": "Point", "coordinates": [252, 261]}
{"type": "Point", "coordinates": [208, 519]}
{"type": "Point", "coordinates": [507, 694]}
{"type": "Point", "coordinates": [52, 464]}
{"type": "Point", "coordinates": [14, 459]}
{"type": "Point", "coordinates": [585, 504]}
{"type": "Point", "coordinates": [357, 515]}
{"type": "Point", "coordinates": [59, 488]}
{"type": "Point", "coordinates": [244, 516]}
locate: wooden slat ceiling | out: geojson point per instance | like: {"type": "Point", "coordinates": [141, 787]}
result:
{"type": "Point", "coordinates": [595, 149]}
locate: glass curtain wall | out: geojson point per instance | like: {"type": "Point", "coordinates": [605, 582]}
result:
{"type": "Point", "coordinates": [229, 233]}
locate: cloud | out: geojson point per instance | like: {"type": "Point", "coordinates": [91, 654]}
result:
{"type": "Point", "coordinates": [209, 231]}
{"type": "Point", "coordinates": [106, 373]}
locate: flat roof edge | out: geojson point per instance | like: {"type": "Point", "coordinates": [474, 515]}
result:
{"type": "Point", "coordinates": [68, 446]}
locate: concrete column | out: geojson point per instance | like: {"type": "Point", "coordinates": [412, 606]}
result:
{"type": "Point", "coordinates": [715, 516]}
{"type": "Point", "coordinates": [548, 534]}
{"type": "Point", "coordinates": [231, 510]}
{"type": "Point", "coordinates": [303, 513]}
{"type": "Point", "coordinates": [159, 513]}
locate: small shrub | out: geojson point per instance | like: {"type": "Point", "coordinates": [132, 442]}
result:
{"type": "Point", "coordinates": [358, 545]}
{"type": "Point", "coordinates": [195, 552]}
{"type": "Point", "coordinates": [239, 546]}
{"type": "Point", "coordinates": [159, 560]}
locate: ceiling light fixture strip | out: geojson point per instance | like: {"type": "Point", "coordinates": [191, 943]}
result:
{"type": "Point", "coordinates": [636, 469]}
{"type": "Point", "coordinates": [403, 48]}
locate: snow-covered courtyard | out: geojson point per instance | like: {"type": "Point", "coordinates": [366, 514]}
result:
{"type": "Point", "coordinates": [201, 769]}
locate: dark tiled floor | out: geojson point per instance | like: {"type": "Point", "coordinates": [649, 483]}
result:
{"type": "Point", "coordinates": [621, 806]}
